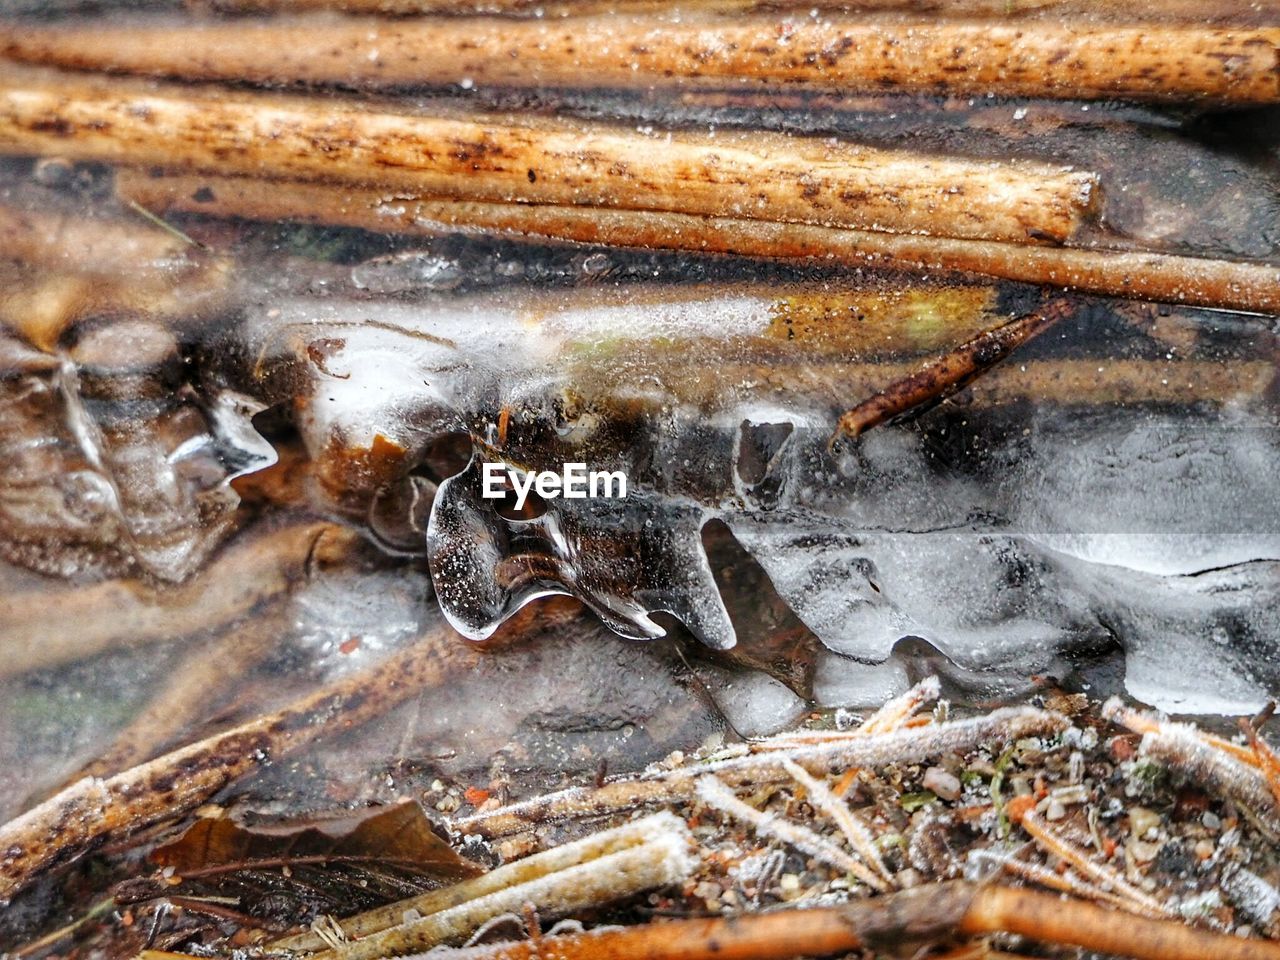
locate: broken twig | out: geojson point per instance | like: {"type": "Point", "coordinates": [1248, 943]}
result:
{"type": "Point", "coordinates": [948, 374]}
{"type": "Point", "coordinates": [93, 810]}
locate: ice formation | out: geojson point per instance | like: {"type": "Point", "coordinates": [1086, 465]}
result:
{"type": "Point", "coordinates": [110, 459]}
{"type": "Point", "coordinates": [1115, 480]}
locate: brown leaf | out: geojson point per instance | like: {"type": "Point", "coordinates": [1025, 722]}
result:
{"type": "Point", "coordinates": [399, 834]}
{"type": "Point", "coordinates": [287, 873]}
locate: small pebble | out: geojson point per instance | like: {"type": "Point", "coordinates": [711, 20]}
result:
{"type": "Point", "coordinates": [941, 783]}
{"type": "Point", "coordinates": [1143, 852]}
{"type": "Point", "coordinates": [1055, 810]}
{"type": "Point", "coordinates": [1211, 820]}
{"type": "Point", "coordinates": [1203, 849]}
{"type": "Point", "coordinates": [1143, 823]}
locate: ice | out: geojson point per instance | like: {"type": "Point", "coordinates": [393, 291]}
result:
{"type": "Point", "coordinates": [839, 683]}
{"type": "Point", "coordinates": [755, 704]}
{"type": "Point", "coordinates": [111, 461]}
{"type": "Point", "coordinates": [1025, 522]}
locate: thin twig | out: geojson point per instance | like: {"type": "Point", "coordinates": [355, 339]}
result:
{"type": "Point", "coordinates": [855, 831]}
{"type": "Point", "coordinates": [890, 716]}
{"type": "Point", "coordinates": [716, 795]}
{"type": "Point", "coordinates": [940, 378]}
{"type": "Point", "coordinates": [94, 810]}
{"type": "Point", "coordinates": [1021, 810]}
{"type": "Point", "coordinates": [1142, 275]}
{"type": "Point", "coordinates": [1066, 883]}
{"type": "Point", "coordinates": [905, 746]}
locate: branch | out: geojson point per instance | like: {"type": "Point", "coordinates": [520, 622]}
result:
{"type": "Point", "coordinates": [1039, 58]}
{"type": "Point", "coordinates": [941, 377]}
{"type": "Point", "coordinates": [1193, 11]}
{"type": "Point", "coordinates": [1222, 284]}
{"type": "Point", "coordinates": [756, 175]}
{"type": "Point", "coordinates": [95, 810]}
{"type": "Point", "coordinates": [921, 914]}
{"type": "Point", "coordinates": [911, 745]}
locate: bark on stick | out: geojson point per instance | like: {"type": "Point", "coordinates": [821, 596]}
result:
{"type": "Point", "coordinates": [758, 176]}
{"type": "Point", "coordinates": [847, 53]}
{"type": "Point", "coordinates": [1159, 11]}
{"type": "Point", "coordinates": [1225, 284]}
{"type": "Point", "coordinates": [94, 810]}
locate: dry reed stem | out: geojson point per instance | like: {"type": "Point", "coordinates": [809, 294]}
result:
{"type": "Point", "coordinates": [477, 157]}
{"type": "Point", "coordinates": [911, 745]}
{"type": "Point", "coordinates": [661, 858]}
{"type": "Point", "coordinates": [1069, 59]}
{"type": "Point", "coordinates": [1194, 11]}
{"type": "Point", "coordinates": [922, 914]}
{"type": "Point", "coordinates": [1021, 810]}
{"type": "Point", "coordinates": [95, 810]}
{"type": "Point", "coordinates": [509, 875]}
{"type": "Point", "coordinates": [49, 627]}
{"type": "Point", "coordinates": [1223, 284]}
{"type": "Point", "coordinates": [716, 795]}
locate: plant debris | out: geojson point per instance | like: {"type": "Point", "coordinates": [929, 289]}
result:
{"type": "Point", "coordinates": [1133, 855]}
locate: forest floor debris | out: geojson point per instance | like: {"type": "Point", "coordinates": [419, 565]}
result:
{"type": "Point", "coordinates": [1044, 828]}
